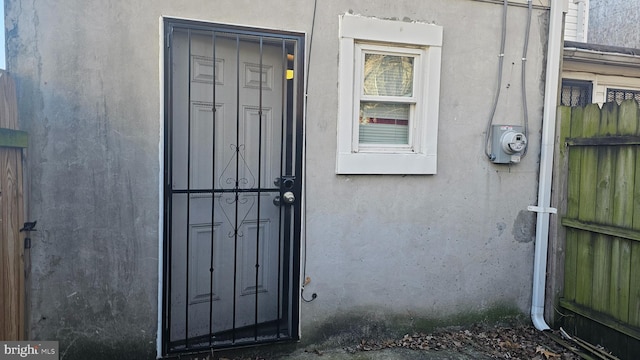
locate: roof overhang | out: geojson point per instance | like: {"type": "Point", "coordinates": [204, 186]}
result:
{"type": "Point", "coordinates": [600, 59]}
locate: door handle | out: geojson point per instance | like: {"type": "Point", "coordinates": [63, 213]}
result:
{"type": "Point", "coordinates": [288, 197]}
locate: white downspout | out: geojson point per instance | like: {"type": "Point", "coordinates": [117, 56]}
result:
{"type": "Point", "coordinates": [554, 53]}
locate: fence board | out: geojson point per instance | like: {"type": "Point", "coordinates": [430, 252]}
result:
{"type": "Point", "coordinates": [13, 138]}
{"type": "Point", "coordinates": [556, 267]}
{"type": "Point", "coordinates": [627, 234]}
{"type": "Point", "coordinates": [608, 119]}
{"type": "Point", "coordinates": [587, 207]}
{"type": "Point", "coordinates": [584, 268]}
{"type": "Point", "coordinates": [628, 119]}
{"type": "Point", "coordinates": [603, 215]}
{"type": "Point", "coordinates": [623, 207]}
{"type": "Point", "coordinates": [575, 160]}
{"type": "Point", "coordinates": [634, 291]}
{"type": "Point", "coordinates": [12, 304]}
{"type": "Point", "coordinates": [601, 271]}
{"type": "Point", "coordinates": [621, 309]}
{"type": "Point", "coordinates": [634, 286]}
{"type": "Point", "coordinates": [569, 128]}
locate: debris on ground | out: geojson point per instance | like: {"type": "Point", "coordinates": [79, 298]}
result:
{"type": "Point", "coordinates": [516, 341]}
{"type": "Point", "coordinates": [498, 342]}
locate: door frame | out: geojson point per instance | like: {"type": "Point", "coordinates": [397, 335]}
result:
{"type": "Point", "coordinates": [297, 116]}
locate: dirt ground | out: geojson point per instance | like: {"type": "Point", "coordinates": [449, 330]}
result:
{"type": "Point", "coordinates": [494, 342]}
{"type": "Point", "coordinates": [474, 342]}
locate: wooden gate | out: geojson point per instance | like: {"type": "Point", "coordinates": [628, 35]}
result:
{"type": "Point", "coordinates": [12, 279]}
{"type": "Point", "coordinates": [600, 156]}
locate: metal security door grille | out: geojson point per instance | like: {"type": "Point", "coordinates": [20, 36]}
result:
{"type": "Point", "coordinates": [233, 160]}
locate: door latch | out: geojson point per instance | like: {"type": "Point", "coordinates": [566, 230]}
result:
{"type": "Point", "coordinates": [287, 182]}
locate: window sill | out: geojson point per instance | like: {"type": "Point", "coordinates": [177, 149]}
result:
{"type": "Point", "coordinates": [391, 163]}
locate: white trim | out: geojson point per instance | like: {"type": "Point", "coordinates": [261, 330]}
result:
{"type": "Point", "coordinates": [395, 34]}
{"type": "Point", "coordinates": [399, 32]}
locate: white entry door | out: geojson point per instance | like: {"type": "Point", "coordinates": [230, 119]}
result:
{"type": "Point", "coordinates": [230, 261]}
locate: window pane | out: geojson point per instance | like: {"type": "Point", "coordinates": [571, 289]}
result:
{"type": "Point", "coordinates": [384, 123]}
{"type": "Point", "coordinates": [388, 75]}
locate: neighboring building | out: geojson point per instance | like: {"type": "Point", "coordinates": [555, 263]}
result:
{"type": "Point", "coordinates": [614, 23]}
{"type": "Point", "coordinates": [577, 21]}
{"type": "Point", "coordinates": [597, 74]}
{"type": "Point", "coordinates": [603, 66]}
{"type": "Point", "coordinates": [196, 166]}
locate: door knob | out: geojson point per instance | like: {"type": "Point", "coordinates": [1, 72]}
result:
{"type": "Point", "coordinates": [288, 197]}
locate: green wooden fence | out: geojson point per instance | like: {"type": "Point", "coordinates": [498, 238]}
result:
{"type": "Point", "coordinates": [601, 150]}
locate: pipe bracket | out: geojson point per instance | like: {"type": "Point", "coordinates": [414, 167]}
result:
{"type": "Point", "coordinates": [541, 209]}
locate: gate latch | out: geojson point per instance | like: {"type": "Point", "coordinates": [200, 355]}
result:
{"type": "Point", "coordinates": [27, 227]}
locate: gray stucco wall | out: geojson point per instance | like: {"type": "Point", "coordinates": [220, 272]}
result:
{"type": "Point", "coordinates": [88, 77]}
{"type": "Point", "coordinates": [614, 22]}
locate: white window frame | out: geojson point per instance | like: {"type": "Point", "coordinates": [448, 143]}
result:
{"type": "Point", "coordinates": [358, 95]}
{"type": "Point", "coordinates": [424, 41]}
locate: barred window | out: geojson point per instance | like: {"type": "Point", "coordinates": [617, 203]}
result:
{"type": "Point", "coordinates": [618, 95]}
{"type": "Point", "coordinates": [576, 93]}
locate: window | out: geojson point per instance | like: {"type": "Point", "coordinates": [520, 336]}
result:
{"type": "Point", "coordinates": [576, 93]}
{"type": "Point", "coordinates": [389, 94]}
{"type": "Point", "coordinates": [618, 95]}
{"type": "Point", "coordinates": [387, 97]}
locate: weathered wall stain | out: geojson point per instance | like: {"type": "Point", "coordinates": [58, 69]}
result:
{"type": "Point", "coordinates": [524, 228]}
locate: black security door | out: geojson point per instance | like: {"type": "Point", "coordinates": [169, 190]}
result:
{"type": "Point", "coordinates": [233, 160]}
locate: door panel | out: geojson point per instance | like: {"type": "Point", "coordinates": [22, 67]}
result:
{"type": "Point", "coordinates": [230, 260]}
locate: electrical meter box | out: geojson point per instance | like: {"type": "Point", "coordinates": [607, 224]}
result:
{"type": "Point", "coordinates": [508, 142]}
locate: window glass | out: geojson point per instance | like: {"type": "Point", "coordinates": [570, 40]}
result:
{"type": "Point", "coordinates": [387, 97]}
{"type": "Point", "coordinates": [388, 75]}
{"type": "Point", "coordinates": [384, 123]}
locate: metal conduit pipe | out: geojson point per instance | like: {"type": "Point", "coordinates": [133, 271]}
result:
{"type": "Point", "coordinates": [554, 53]}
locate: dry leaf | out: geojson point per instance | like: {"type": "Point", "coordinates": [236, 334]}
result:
{"type": "Point", "coordinates": [508, 344]}
{"type": "Point", "coordinates": [547, 354]}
